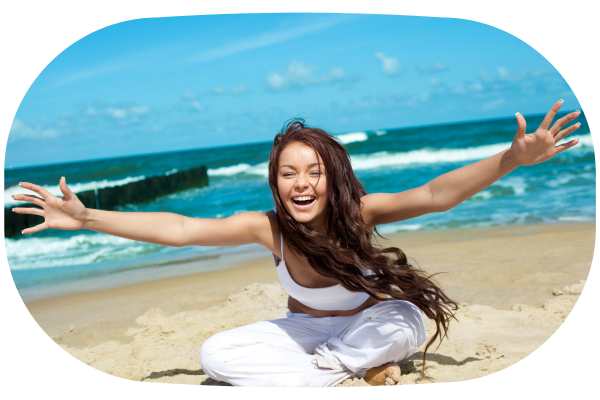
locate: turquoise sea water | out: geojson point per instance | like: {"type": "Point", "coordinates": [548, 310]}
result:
{"type": "Point", "coordinates": [386, 160]}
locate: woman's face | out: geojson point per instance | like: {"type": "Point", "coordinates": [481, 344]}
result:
{"type": "Point", "coordinates": [302, 184]}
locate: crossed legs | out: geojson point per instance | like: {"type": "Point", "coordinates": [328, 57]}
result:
{"type": "Point", "coordinates": [302, 350]}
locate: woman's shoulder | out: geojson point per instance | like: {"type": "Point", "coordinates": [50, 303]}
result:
{"type": "Point", "coordinates": [274, 232]}
{"type": "Point", "coordinates": [265, 226]}
{"type": "Point", "coordinates": [261, 225]}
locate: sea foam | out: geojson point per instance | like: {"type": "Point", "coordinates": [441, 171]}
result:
{"type": "Point", "coordinates": [34, 252]}
{"type": "Point", "coordinates": [352, 137]}
{"type": "Point", "coordinates": [384, 159]}
{"type": "Point", "coordinates": [75, 188]}
{"type": "Point", "coordinates": [423, 156]}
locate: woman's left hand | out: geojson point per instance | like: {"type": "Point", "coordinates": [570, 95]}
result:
{"type": "Point", "coordinates": [534, 148]}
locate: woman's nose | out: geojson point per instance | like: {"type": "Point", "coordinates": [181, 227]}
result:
{"type": "Point", "coordinates": [301, 181]}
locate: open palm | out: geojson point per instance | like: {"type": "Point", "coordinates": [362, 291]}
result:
{"type": "Point", "coordinates": [541, 145]}
{"type": "Point", "coordinates": [67, 213]}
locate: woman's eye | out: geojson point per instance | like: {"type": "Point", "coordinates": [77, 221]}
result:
{"type": "Point", "coordinates": [315, 173]}
{"type": "Point", "coordinates": [288, 174]}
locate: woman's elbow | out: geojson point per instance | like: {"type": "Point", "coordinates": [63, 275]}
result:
{"type": "Point", "coordinates": [442, 205]}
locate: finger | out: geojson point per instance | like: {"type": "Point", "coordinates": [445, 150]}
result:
{"type": "Point", "coordinates": [563, 121]}
{"type": "Point", "coordinates": [34, 229]}
{"type": "Point", "coordinates": [67, 193]}
{"type": "Point", "coordinates": [30, 198]}
{"type": "Point", "coordinates": [28, 210]}
{"type": "Point", "coordinates": [567, 131]}
{"type": "Point", "coordinates": [36, 188]}
{"type": "Point", "coordinates": [565, 146]}
{"type": "Point", "coordinates": [551, 114]}
{"type": "Point", "coordinates": [521, 125]}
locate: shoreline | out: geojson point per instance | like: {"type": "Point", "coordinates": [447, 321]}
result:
{"type": "Point", "coordinates": [141, 273]}
{"type": "Point", "coordinates": [215, 261]}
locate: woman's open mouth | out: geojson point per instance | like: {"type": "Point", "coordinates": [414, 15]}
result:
{"type": "Point", "coordinates": [303, 202]}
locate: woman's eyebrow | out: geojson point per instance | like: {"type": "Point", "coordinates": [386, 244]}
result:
{"type": "Point", "coordinates": [292, 167]}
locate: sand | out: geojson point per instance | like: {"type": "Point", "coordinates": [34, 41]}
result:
{"type": "Point", "coordinates": [515, 286]}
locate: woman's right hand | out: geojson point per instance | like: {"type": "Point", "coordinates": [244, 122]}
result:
{"type": "Point", "coordinates": [67, 213]}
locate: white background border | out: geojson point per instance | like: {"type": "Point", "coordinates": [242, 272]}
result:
{"type": "Point", "coordinates": [34, 33]}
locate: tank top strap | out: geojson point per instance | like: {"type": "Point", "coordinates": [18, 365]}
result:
{"type": "Point", "coordinates": [281, 244]}
{"type": "Point", "coordinates": [280, 237]}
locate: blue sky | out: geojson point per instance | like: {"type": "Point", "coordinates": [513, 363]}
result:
{"type": "Point", "coordinates": [156, 85]}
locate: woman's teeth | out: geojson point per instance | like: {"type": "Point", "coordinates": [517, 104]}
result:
{"type": "Point", "coordinates": [303, 200]}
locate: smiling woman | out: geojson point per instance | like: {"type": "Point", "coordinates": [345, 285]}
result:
{"type": "Point", "coordinates": [355, 309]}
{"type": "Point", "coordinates": [415, 118]}
{"type": "Point", "coordinates": [302, 184]}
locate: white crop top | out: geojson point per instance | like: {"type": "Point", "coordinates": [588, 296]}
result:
{"type": "Point", "coordinates": [328, 298]}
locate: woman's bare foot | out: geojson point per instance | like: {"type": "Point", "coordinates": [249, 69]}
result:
{"type": "Point", "coordinates": [386, 374]}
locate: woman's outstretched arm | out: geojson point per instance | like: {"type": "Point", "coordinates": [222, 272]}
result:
{"type": "Point", "coordinates": [166, 228]}
{"type": "Point", "coordinates": [452, 188]}
{"type": "Point", "coordinates": [171, 229]}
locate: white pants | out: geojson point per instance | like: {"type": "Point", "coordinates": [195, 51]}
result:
{"type": "Point", "coordinates": [302, 350]}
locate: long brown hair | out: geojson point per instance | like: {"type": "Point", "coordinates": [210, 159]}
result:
{"type": "Point", "coordinates": [346, 247]}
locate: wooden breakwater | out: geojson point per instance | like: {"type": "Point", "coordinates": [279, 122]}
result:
{"type": "Point", "coordinates": [109, 198]}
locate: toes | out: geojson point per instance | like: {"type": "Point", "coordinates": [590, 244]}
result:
{"type": "Point", "coordinates": [394, 373]}
{"type": "Point", "coordinates": [389, 381]}
{"type": "Point", "coordinates": [388, 374]}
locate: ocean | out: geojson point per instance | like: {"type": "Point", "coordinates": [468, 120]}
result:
{"type": "Point", "coordinates": [385, 160]}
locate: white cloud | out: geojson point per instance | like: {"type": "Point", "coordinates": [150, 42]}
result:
{"type": "Point", "coordinates": [476, 86]}
{"type": "Point", "coordinates": [458, 88]}
{"type": "Point", "coordinates": [276, 81]}
{"type": "Point", "coordinates": [125, 112]}
{"type": "Point", "coordinates": [190, 100]}
{"type": "Point", "coordinates": [196, 105]}
{"type": "Point", "coordinates": [464, 87]}
{"type": "Point", "coordinates": [492, 105]}
{"type": "Point", "coordinates": [337, 73]}
{"type": "Point", "coordinates": [503, 72]}
{"type": "Point", "coordinates": [234, 91]}
{"type": "Point", "coordinates": [432, 69]}
{"type": "Point", "coordinates": [417, 99]}
{"type": "Point", "coordinates": [116, 112]}
{"type": "Point", "coordinates": [299, 74]}
{"type": "Point", "coordinates": [21, 130]}
{"type": "Point", "coordinates": [239, 89]}
{"type": "Point", "coordinates": [390, 65]}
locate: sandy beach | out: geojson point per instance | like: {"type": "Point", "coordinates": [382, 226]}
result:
{"type": "Point", "coordinates": [515, 285]}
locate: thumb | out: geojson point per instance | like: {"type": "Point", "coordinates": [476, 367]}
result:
{"type": "Point", "coordinates": [521, 125]}
{"type": "Point", "coordinates": [67, 193]}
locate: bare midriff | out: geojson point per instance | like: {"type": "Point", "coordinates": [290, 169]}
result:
{"type": "Point", "coordinates": [296, 307]}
